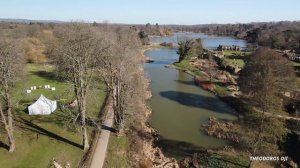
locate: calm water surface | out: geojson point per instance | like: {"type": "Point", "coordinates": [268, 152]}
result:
{"type": "Point", "coordinates": [209, 41]}
{"type": "Point", "coordinates": [179, 107]}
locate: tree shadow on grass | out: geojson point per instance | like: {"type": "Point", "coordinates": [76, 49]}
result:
{"type": "Point", "coordinates": [238, 104]}
{"type": "Point", "coordinates": [107, 128]}
{"type": "Point", "coordinates": [51, 76]}
{"type": "Point", "coordinates": [3, 145]}
{"type": "Point", "coordinates": [25, 124]}
{"type": "Point", "coordinates": [292, 146]}
{"type": "Point", "coordinates": [297, 70]}
{"type": "Point", "coordinates": [58, 118]}
{"type": "Point", "coordinates": [229, 162]}
{"type": "Point", "coordinates": [237, 57]}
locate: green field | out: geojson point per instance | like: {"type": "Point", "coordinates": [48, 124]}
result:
{"type": "Point", "coordinates": [185, 65]}
{"type": "Point", "coordinates": [241, 53]}
{"type": "Point", "coordinates": [117, 154]}
{"type": "Point", "coordinates": [296, 64]}
{"type": "Point", "coordinates": [40, 139]}
{"type": "Point", "coordinates": [239, 62]}
{"type": "Point", "coordinates": [237, 57]}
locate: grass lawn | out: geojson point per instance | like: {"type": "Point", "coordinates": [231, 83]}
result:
{"type": "Point", "coordinates": [227, 160]}
{"type": "Point", "coordinates": [239, 62]}
{"type": "Point", "coordinates": [241, 53]}
{"type": "Point", "coordinates": [117, 154]}
{"type": "Point", "coordinates": [43, 138]}
{"type": "Point", "coordinates": [236, 57]}
{"type": "Point", "coordinates": [296, 63]}
{"type": "Point", "coordinates": [185, 65]}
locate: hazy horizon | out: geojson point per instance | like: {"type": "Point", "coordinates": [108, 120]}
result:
{"type": "Point", "coordinates": [190, 12]}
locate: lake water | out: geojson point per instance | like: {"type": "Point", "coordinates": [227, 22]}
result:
{"type": "Point", "coordinates": [208, 41]}
{"type": "Point", "coordinates": [179, 108]}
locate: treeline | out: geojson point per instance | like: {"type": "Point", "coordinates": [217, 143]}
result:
{"type": "Point", "coordinates": [278, 35]}
{"type": "Point", "coordinates": [156, 30]}
{"type": "Point", "coordinates": [148, 30]}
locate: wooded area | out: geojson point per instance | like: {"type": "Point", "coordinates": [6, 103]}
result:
{"type": "Point", "coordinates": [279, 35]}
{"type": "Point", "coordinates": [84, 57]}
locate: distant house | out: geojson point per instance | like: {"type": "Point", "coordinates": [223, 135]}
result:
{"type": "Point", "coordinates": [228, 48]}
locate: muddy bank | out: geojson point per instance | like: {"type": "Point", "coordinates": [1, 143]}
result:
{"type": "Point", "coordinates": [145, 153]}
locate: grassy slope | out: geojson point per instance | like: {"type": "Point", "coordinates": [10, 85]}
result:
{"type": "Point", "coordinates": [117, 154]}
{"type": "Point", "coordinates": [58, 142]}
{"type": "Point", "coordinates": [185, 65]}
{"type": "Point", "coordinates": [119, 148]}
{"type": "Point", "coordinates": [236, 61]}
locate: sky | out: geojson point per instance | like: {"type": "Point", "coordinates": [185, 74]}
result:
{"type": "Point", "coordinates": [188, 12]}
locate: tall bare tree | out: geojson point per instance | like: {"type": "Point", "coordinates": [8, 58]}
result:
{"type": "Point", "coordinates": [121, 63]}
{"type": "Point", "coordinates": [11, 68]}
{"type": "Point", "coordinates": [77, 61]}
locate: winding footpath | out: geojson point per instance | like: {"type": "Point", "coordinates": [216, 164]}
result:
{"type": "Point", "coordinates": [278, 115]}
{"type": "Point", "coordinates": [99, 154]}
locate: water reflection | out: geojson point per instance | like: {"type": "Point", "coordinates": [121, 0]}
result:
{"type": "Point", "coordinates": [179, 107]}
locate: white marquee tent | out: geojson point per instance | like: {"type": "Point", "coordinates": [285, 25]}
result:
{"type": "Point", "coordinates": [42, 106]}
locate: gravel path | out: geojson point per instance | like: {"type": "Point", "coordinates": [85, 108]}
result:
{"type": "Point", "coordinates": [102, 142]}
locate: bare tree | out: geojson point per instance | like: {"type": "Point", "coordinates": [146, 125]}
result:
{"type": "Point", "coordinates": [77, 62]}
{"type": "Point", "coordinates": [120, 64]}
{"type": "Point", "coordinates": [11, 68]}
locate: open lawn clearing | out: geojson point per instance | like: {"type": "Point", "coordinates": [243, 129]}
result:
{"type": "Point", "coordinates": [43, 138]}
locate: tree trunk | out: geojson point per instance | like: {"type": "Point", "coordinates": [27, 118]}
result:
{"type": "Point", "coordinates": [10, 130]}
{"type": "Point", "coordinates": [85, 141]}
{"type": "Point", "coordinates": [118, 111]}
{"type": "Point", "coordinates": [11, 139]}
{"type": "Point", "coordinates": [114, 95]}
{"type": "Point", "coordinates": [81, 97]}
{"type": "Point", "coordinates": [115, 105]}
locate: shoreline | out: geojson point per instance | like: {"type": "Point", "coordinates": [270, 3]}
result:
{"type": "Point", "coordinates": [199, 83]}
{"type": "Point", "coordinates": [151, 46]}
{"type": "Point", "coordinates": [154, 134]}
{"type": "Point", "coordinates": [149, 150]}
